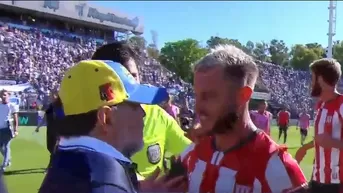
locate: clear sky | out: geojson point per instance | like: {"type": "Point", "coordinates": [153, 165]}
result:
{"type": "Point", "coordinates": [292, 21]}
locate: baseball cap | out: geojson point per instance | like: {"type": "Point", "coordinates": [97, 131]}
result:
{"type": "Point", "coordinates": [91, 84]}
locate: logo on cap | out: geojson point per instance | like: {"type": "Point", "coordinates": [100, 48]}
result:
{"type": "Point", "coordinates": [106, 92]}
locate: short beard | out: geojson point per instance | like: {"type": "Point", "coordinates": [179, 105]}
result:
{"type": "Point", "coordinates": [225, 123]}
{"type": "Point", "coordinates": [316, 90]}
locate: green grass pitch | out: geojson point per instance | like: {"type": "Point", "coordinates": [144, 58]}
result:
{"type": "Point", "coordinates": [30, 157]}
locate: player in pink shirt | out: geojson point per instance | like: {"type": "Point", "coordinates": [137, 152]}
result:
{"type": "Point", "coordinates": [304, 124]}
{"type": "Point", "coordinates": [262, 118]}
{"type": "Point", "coordinates": [171, 109]}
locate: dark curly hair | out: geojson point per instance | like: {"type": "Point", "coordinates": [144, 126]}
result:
{"type": "Point", "coordinates": [120, 51]}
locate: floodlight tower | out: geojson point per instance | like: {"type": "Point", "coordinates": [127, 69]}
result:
{"type": "Point", "coordinates": [332, 26]}
{"type": "Point", "coordinates": [154, 37]}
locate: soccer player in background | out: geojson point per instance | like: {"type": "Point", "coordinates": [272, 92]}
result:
{"type": "Point", "coordinates": [327, 168]}
{"type": "Point", "coordinates": [262, 118]}
{"type": "Point", "coordinates": [171, 109]}
{"type": "Point", "coordinates": [236, 156]}
{"type": "Point", "coordinates": [283, 122]}
{"type": "Point", "coordinates": [8, 127]}
{"type": "Point", "coordinates": [161, 131]}
{"type": "Point", "coordinates": [303, 124]}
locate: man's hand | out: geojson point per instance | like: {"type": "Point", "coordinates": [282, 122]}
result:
{"type": "Point", "coordinates": [300, 154]}
{"type": "Point", "coordinates": [15, 133]}
{"type": "Point", "coordinates": [155, 184]}
{"type": "Point", "coordinates": [176, 168]}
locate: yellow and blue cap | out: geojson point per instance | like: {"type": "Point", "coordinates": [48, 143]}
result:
{"type": "Point", "coordinates": [91, 84]}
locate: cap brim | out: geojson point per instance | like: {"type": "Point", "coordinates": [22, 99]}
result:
{"type": "Point", "coordinates": [146, 94]}
{"type": "Point", "coordinates": [138, 93]}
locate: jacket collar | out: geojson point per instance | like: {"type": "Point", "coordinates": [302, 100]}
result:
{"type": "Point", "coordinates": [92, 144]}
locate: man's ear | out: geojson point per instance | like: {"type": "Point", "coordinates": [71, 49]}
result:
{"type": "Point", "coordinates": [244, 94]}
{"type": "Point", "coordinates": [104, 117]}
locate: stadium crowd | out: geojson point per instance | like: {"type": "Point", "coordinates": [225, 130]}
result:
{"type": "Point", "coordinates": [39, 56]}
{"type": "Point", "coordinates": [288, 87]}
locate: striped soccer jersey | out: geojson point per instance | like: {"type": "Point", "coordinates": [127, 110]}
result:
{"type": "Point", "coordinates": [258, 166]}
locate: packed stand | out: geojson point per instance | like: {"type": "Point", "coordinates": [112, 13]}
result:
{"type": "Point", "coordinates": [41, 56]}
{"type": "Point", "coordinates": [288, 87]}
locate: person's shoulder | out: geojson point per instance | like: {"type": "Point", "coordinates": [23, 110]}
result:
{"type": "Point", "coordinates": [88, 163]}
{"type": "Point", "coordinates": [252, 112]}
{"type": "Point", "coordinates": [340, 102]}
{"type": "Point", "coordinates": [158, 115]}
{"type": "Point", "coordinates": [68, 165]}
{"type": "Point", "coordinates": [203, 148]}
{"type": "Point", "coordinates": [277, 160]}
{"type": "Point", "coordinates": [282, 166]}
{"type": "Point", "coordinates": [340, 98]}
{"type": "Point", "coordinates": [13, 107]}
{"type": "Point", "coordinates": [263, 143]}
{"type": "Point", "coordinates": [154, 110]}
{"type": "Point", "coordinates": [147, 107]}
{"type": "Point", "coordinates": [187, 151]}
{"type": "Point", "coordinates": [64, 154]}
{"type": "Point", "coordinates": [319, 104]}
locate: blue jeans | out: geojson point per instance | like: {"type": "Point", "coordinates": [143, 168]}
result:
{"type": "Point", "coordinates": [5, 141]}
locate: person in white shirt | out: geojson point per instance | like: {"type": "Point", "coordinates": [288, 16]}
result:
{"type": "Point", "coordinates": [8, 127]}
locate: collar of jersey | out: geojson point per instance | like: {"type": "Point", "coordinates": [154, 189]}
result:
{"type": "Point", "coordinates": [93, 144]}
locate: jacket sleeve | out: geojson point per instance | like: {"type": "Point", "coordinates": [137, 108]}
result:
{"type": "Point", "coordinates": [174, 133]}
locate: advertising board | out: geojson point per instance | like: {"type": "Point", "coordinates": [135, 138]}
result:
{"type": "Point", "coordinates": [81, 10]}
{"type": "Point", "coordinates": [28, 118]}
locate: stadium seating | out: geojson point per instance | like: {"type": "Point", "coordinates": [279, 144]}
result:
{"type": "Point", "coordinates": [40, 56]}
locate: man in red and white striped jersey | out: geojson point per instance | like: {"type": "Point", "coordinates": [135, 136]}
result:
{"type": "Point", "coordinates": [328, 144]}
{"type": "Point", "coordinates": [235, 156]}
